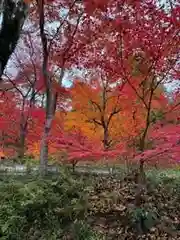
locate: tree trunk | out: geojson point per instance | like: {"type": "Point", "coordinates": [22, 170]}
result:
{"type": "Point", "coordinates": [141, 163]}
{"type": "Point", "coordinates": [23, 132]}
{"type": "Point", "coordinates": [73, 166]}
{"type": "Point", "coordinates": [44, 145]}
{"type": "Point", "coordinates": [22, 142]}
{"type": "Point", "coordinates": [49, 94]}
{"type": "Point", "coordinates": [142, 175]}
{"type": "Point", "coordinates": [14, 14]}
{"type": "Point", "coordinates": [50, 111]}
{"type": "Point", "coordinates": [106, 138]}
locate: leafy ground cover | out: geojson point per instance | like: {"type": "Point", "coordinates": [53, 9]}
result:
{"type": "Point", "coordinates": [96, 207]}
{"type": "Point", "coordinates": [156, 218]}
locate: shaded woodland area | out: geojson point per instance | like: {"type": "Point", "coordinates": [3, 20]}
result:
{"type": "Point", "coordinates": [90, 84]}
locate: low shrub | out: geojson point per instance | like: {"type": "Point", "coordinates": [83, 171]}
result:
{"type": "Point", "coordinates": [41, 208]}
{"type": "Point", "coordinates": [142, 220]}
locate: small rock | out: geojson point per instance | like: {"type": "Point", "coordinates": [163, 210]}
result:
{"type": "Point", "coordinates": [120, 208]}
{"type": "Point", "coordinates": [153, 229]}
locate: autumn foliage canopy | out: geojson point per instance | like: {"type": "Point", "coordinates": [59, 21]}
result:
{"type": "Point", "coordinates": [101, 75]}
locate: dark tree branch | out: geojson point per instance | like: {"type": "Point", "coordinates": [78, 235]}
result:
{"type": "Point", "coordinates": [14, 14]}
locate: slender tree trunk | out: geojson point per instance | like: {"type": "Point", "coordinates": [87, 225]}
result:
{"type": "Point", "coordinates": [105, 143]}
{"type": "Point", "coordinates": [74, 166]}
{"type": "Point", "coordinates": [22, 132]}
{"type": "Point", "coordinates": [106, 138]}
{"type": "Point", "coordinates": [141, 177]}
{"type": "Point", "coordinates": [49, 115]}
{"type": "Point", "coordinates": [44, 145]}
{"type": "Point", "coordinates": [50, 112]}
{"type": "Point", "coordinates": [22, 143]}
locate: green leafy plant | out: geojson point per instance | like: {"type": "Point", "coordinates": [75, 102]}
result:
{"type": "Point", "coordinates": [142, 219]}
{"type": "Point", "coordinates": [82, 231]}
{"type": "Point", "coordinates": [40, 208]}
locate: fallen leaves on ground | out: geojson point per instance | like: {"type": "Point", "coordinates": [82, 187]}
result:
{"type": "Point", "coordinates": [112, 210]}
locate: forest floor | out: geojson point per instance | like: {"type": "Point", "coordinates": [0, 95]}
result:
{"type": "Point", "coordinates": [157, 217]}
{"type": "Point", "coordinates": [90, 207]}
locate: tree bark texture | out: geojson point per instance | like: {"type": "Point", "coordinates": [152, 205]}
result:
{"type": "Point", "coordinates": [14, 14]}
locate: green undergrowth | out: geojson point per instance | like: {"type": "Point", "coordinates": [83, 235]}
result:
{"type": "Point", "coordinates": [49, 208]}
{"type": "Point", "coordinates": [89, 207]}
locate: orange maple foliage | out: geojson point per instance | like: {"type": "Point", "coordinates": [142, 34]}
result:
{"type": "Point", "coordinates": [118, 111]}
{"type": "Point", "coordinates": [94, 108]}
